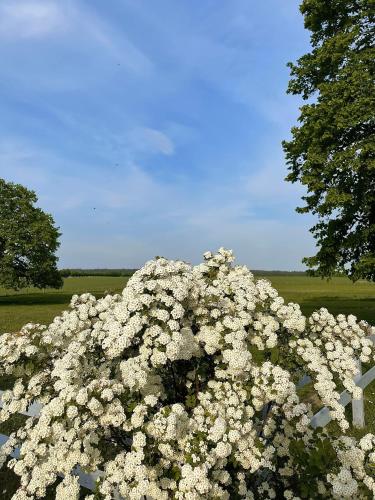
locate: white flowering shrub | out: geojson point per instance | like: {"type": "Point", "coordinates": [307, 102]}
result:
{"type": "Point", "coordinates": [184, 387]}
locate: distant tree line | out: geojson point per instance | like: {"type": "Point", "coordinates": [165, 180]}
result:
{"type": "Point", "coordinates": [262, 272]}
{"type": "Point", "coordinates": [66, 273]}
{"type": "Point", "coordinates": [309, 272]}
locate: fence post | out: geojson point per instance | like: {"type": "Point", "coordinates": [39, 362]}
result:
{"type": "Point", "coordinates": [358, 404]}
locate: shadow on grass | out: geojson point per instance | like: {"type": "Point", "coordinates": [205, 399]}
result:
{"type": "Point", "coordinates": [26, 299]}
{"type": "Point", "coordinates": [35, 298]}
{"type": "Point", "coordinates": [362, 307]}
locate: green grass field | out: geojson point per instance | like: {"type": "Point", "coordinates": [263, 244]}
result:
{"type": "Point", "coordinates": [339, 295]}
{"type": "Point", "coordinates": [38, 306]}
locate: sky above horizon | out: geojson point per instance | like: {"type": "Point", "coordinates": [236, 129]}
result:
{"type": "Point", "coordinates": [155, 128]}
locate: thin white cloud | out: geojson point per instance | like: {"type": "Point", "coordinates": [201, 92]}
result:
{"type": "Point", "coordinates": [63, 190]}
{"type": "Point", "coordinates": [137, 216]}
{"type": "Point", "coordinates": [258, 244]}
{"type": "Point", "coordinates": [223, 47]}
{"type": "Point", "coordinates": [30, 19]}
{"type": "Point", "coordinates": [77, 32]}
{"type": "Point", "coordinates": [266, 185]}
{"type": "Point", "coordinates": [118, 46]}
{"type": "Point", "coordinates": [152, 141]}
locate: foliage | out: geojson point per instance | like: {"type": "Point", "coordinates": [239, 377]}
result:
{"type": "Point", "coordinates": [332, 150]}
{"type": "Point", "coordinates": [28, 240]}
{"type": "Point", "coordinates": [184, 387]}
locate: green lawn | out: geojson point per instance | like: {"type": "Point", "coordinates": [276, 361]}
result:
{"type": "Point", "coordinates": [38, 306]}
{"type": "Point", "coordinates": [339, 295]}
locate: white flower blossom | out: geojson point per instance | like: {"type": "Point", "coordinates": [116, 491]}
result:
{"type": "Point", "coordinates": [181, 388]}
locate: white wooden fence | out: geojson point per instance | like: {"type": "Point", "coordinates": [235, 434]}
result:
{"type": "Point", "coordinates": [320, 419]}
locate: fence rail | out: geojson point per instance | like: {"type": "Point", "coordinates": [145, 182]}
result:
{"type": "Point", "coordinates": [320, 419]}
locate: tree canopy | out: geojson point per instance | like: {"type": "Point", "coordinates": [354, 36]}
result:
{"type": "Point", "coordinates": [28, 240]}
{"type": "Point", "coordinates": [332, 149]}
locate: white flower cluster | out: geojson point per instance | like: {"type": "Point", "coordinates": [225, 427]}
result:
{"type": "Point", "coordinates": [329, 352]}
{"type": "Point", "coordinates": [352, 476]}
{"type": "Point", "coordinates": [184, 387]}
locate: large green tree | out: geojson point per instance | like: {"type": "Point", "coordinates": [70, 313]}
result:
{"type": "Point", "coordinates": [28, 240]}
{"type": "Point", "coordinates": [332, 150]}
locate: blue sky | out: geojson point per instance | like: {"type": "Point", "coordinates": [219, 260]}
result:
{"type": "Point", "coordinates": [154, 128]}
